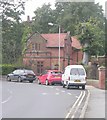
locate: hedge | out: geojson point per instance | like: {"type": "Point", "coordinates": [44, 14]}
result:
{"type": "Point", "coordinates": [6, 68]}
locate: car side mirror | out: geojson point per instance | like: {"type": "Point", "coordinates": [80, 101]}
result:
{"type": "Point", "coordinates": [40, 74]}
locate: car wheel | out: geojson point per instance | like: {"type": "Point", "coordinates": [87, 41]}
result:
{"type": "Point", "coordinates": [8, 78]}
{"type": "Point", "coordinates": [38, 81]}
{"type": "Point", "coordinates": [83, 87]}
{"type": "Point", "coordinates": [46, 82]}
{"type": "Point", "coordinates": [19, 79]}
{"type": "Point", "coordinates": [31, 81]}
{"type": "Point", "coordinates": [63, 85]}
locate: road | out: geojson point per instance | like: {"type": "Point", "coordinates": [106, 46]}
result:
{"type": "Point", "coordinates": [30, 100]}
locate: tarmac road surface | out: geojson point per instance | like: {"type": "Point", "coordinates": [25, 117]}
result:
{"type": "Point", "coordinates": [30, 100]}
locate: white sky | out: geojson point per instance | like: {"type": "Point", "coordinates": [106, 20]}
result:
{"type": "Point", "coordinates": [31, 6]}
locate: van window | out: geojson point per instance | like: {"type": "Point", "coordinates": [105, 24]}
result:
{"type": "Point", "coordinates": [77, 71]}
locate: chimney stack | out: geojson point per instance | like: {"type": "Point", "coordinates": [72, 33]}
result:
{"type": "Point", "coordinates": [28, 18]}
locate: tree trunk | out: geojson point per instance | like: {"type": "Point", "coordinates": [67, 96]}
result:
{"type": "Point", "coordinates": [85, 56]}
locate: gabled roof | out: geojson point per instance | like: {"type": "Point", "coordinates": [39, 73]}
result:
{"type": "Point", "coordinates": [53, 39]}
{"type": "Point", "coordinates": [76, 43]}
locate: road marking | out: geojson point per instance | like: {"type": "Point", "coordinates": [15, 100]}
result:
{"type": "Point", "coordinates": [67, 116]}
{"type": "Point", "coordinates": [6, 100]}
{"type": "Point", "coordinates": [57, 93]}
{"type": "Point", "coordinates": [63, 91]}
{"type": "Point", "coordinates": [78, 104]}
{"type": "Point", "coordinates": [57, 89]}
{"type": "Point", "coordinates": [8, 97]}
{"type": "Point", "coordinates": [69, 94]}
{"type": "Point", "coordinates": [44, 93]}
{"type": "Point", "coordinates": [76, 96]}
{"type": "Point", "coordinates": [85, 106]}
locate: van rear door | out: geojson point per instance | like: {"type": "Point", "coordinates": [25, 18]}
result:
{"type": "Point", "coordinates": [77, 74]}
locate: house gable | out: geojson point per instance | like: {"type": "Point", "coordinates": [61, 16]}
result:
{"type": "Point", "coordinates": [43, 51]}
{"type": "Point", "coordinates": [53, 39]}
{"type": "Point", "coordinates": [36, 43]}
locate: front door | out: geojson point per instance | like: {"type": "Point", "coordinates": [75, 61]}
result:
{"type": "Point", "coordinates": [39, 67]}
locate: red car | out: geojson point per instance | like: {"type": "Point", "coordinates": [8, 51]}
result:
{"type": "Point", "coordinates": [50, 77]}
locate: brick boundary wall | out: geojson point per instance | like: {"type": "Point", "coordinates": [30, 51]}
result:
{"type": "Point", "coordinates": [102, 78]}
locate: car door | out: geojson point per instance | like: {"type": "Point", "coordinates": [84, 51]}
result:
{"type": "Point", "coordinates": [16, 75]}
{"type": "Point", "coordinates": [43, 77]}
{"type": "Point", "coordinates": [66, 74]}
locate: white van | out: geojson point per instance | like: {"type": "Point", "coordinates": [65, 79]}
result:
{"type": "Point", "coordinates": [74, 75]}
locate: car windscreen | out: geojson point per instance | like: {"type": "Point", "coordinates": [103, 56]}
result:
{"type": "Point", "coordinates": [29, 71]}
{"type": "Point", "coordinates": [77, 71]}
{"type": "Point", "coordinates": [55, 72]}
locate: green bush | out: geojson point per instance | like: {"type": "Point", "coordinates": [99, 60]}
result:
{"type": "Point", "coordinates": [6, 68]}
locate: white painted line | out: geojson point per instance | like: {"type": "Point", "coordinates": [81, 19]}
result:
{"type": "Point", "coordinates": [6, 100]}
{"type": "Point", "coordinates": [57, 93]}
{"type": "Point", "coordinates": [85, 106]}
{"type": "Point", "coordinates": [63, 91]}
{"type": "Point", "coordinates": [74, 105]}
{"type": "Point", "coordinates": [76, 96]}
{"type": "Point", "coordinates": [69, 93]}
{"type": "Point", "coordinates": [8, 97]}
{"type": "Point", "coordinates": [79, 104]}
{"type": "Point", "coordinates": [57, 89]}
{"type": "Point", "coordinates": [44, 93]}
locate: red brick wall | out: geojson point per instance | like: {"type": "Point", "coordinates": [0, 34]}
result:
{"type": "Point", "coordinates": [77, 57]}
{"type": "Point", "coordinates": [67, 55]}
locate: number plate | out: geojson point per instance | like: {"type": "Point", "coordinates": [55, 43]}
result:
{"type": "Point", "coordinates": [57, 77]}
{"type": "Point", "coordinates": [77, 81]}
{"type": "Point", "coordinates": [30, 76]}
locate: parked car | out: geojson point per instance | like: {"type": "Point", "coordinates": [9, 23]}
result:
{"type": "Point", "coordinates": [74, 75]}
{"type": "Point", "coordinates": [22, 75]}
{"type": "Point", "coordinates": [50, 77]}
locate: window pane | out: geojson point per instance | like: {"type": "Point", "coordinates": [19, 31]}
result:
{"type": "Point", "coordinates": [77, 71]}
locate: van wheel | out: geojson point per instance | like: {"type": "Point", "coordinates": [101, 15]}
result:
{"type": "Point", "coordinates": [63, 85]}
{"type": "Point", "coordinates": [67, 86]}
{"type": "Point", "coordinates": [83, 87]}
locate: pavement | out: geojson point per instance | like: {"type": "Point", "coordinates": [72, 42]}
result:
{"type": "Point", "coordinates": [95, 104]}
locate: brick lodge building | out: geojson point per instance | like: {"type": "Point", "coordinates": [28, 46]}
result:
{"type": "Point", "coordinates": [42, 51]}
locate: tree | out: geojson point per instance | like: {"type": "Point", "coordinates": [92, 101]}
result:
{"type": "Point", "coordinates": [27, 31]}
{"type": "Point", "coordinates": [68, 15]}
{"type": "Point", "coordinates": [106, 36]}
{"type": "Point", "coordinates": [11, 30]}
{"type": "Point", "coordinates": [92, 38]}
{"type": "Point", "coordinates": [42, 17]}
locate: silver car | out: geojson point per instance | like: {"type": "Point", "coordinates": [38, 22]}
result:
{"type": "Point", "coordinates": [22, 75]}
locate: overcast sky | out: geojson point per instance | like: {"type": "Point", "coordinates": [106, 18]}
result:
{"type": "Point", "coordinates": [31, 6]}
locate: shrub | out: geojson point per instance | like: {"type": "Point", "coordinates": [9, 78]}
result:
{"type": "Point", "coordinates": [6, 68]}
